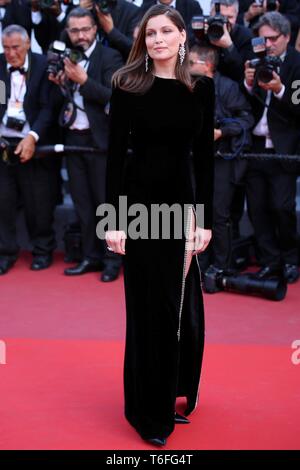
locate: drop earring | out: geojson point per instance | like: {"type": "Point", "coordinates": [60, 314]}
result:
{"type": "Point", "coordinates": [146, 62]}
{"type": "Point", "coordinates": [181, 52]}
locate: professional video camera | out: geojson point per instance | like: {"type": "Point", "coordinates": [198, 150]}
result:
{"type": "Point", "coordinates": [272, 288]}
{"type": "Point", "coordinates": [209, 27]}
{"type": "Point", "coordinates": [271, 4]}
{"type": "Point", "coordinates": [56, 54]}
{"type": "Point", "coordinates": [105, 5]}
{"type": "Point", "coordinates": [46, 4]}
{"type": "Point", "coordinates": [264, 64]}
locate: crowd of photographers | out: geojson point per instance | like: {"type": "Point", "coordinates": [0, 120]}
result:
{"type": "Point", "coordinates": [58, 91]}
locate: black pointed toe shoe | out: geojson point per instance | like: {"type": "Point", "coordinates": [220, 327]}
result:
{"type": "Point", "coordinates": [40, 262]}
{"type": "Point", "coordinates": [179, 419]}
{"type": "Point", "coordinates": [158, 441]}
{"type": "Point", "coordinates": [85, 266]}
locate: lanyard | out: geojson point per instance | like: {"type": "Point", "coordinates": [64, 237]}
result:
{"type": "Point", "coordinates": [13, 85]}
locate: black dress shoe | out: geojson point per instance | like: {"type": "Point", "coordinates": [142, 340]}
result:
{"type": "Point", "coordinates": [291, 273]}
{"type": "Point", "coordinates": [86, 266]}
{"type": "Point", "coordinates": [41, 262]}
{"type": "Point", "coordinates": [110, 273]}
{"type": "Point", "coordinates": [268, 271]}
{"type": "Point", "coordinates": [210, 278]}
{"type": "Point", "coordinates": [157, 441]}
{"type": "Point", "coordinates": [6, 263]}
{"type": "Point", "coordinates": [179, 419]}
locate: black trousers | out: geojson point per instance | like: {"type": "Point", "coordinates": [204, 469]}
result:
{"type": "Point", "coordinates": [87, 186]}
{"type": "Point", "coordinates": [224, 190]}
{"type": "Point", "coordinates": [228, 177]}
{"type": "Point", "coordinates": [30, 184]}
{"type": "Point", "coordinates": [271, 197]}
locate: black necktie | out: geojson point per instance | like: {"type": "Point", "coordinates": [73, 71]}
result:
{"type": "Point", "coordinates": [17, 69]}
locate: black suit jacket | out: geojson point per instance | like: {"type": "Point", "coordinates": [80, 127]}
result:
{"type": "Point", "coordinates": [36, 102]}
{"type": "Point", "coordinates": [283, 115]}
{"type": "Point", "coordinates": [49, 29]}
{"type": "Point", "coordinates": [289, 8]}
{"type": "Point", "coordinates": [96, 92]}
{"type": "Point", "coordinates": [125, 16]}
{"type": "Point", "coordinates": [232, 61]}
{"type": "Point", "coordinates": [187, 9]}
{"type": "Point", "coordinates": [18, 12]}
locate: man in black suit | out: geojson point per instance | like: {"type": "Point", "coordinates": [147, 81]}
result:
{"type": "Point", "coordinates": [90, 85]}
{"type": "Point", "coordinates": [15, 12]}
{"type": "Point", "coordinates": [235, 44]}
{"type": "Point", "coordinates": [233, 121]}
{"type": "Point", "coordinates": [50, 22]}
{"type": "Point", "coordinates": [116, 23]}
{"type": "Point", "coordinates": [25, 119]}
{"type": "Point", "coordinates": [250, 11]}
{"type": "Point", "coordinates": [271, 185]}
{"type": "Point", "coordinates": [187, 9]}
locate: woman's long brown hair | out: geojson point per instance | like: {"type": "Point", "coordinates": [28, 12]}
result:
{"type": "Point", "coordinates": [133, 76]}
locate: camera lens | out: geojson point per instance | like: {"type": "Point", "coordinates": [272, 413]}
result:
{"type": "Point", "coordinates": [75, 56]}
{"type": "Point", "coordinates": [46, 3]}
{"type": "Point", "coordinates": [215, 31]}
{"type": "Point", "coordinates": [265, 74]}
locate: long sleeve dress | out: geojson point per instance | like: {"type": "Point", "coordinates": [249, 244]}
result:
{"type": "Point", "coordinates": [164, 309]}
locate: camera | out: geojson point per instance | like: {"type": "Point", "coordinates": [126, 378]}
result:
{"type": "Point", "coordinates": [264, 64]}
{"type": "Point", "coordinates": [271, 4]}
{"type": "Point", "coordinates": [15, 123]}
{"type": "Point", "coordinates": [56, 54]}
{"type": "Point", "coordinates": [209, 27]}
{"type": "Point", "coordinates": [272, 288]}
{"type": "Point", "coordinates": [105, 5]}
{"type": "Point", "coordinates": [46, 4]}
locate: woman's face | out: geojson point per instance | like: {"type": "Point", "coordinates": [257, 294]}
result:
{"type": "Point", "coordinates": [163, 38]}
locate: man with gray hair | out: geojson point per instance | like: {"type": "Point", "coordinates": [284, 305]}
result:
{"type": "Point", "coordinates": [271, 185]}
{"type": "Point", "coordinates": [24, 120]}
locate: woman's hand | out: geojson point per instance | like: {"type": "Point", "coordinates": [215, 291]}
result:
{"type": "Point", "coordinates": [115, 240]}
{"type": "Point", "coordinates": [202, 238]}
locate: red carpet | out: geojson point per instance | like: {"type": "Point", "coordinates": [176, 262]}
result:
{"type": "Point", "coordinates": [61, 386]}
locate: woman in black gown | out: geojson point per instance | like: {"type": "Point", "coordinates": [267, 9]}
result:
{"type": "Point", "coordinates": [155, 106]}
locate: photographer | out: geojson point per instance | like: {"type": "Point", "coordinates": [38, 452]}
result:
{"type": "Point", "coordinates": [14, 12]}
{"type": "Point", "coordinates": [25, 119]}
{"type": "Point", "coordinates": [116, 20]}
{"type": "Point", "coordinates": [235, 44]}
{"type": "Point", "coordinates": [250, 11]}
{"type": "Point", "coordinates": [49, 21]}
{"type": "Point", "coordinates": [87, 89]}
{"type": "Point", "coordinates": [233, 121]}
{"type": "Point", "coordinates": [187, 9]}
{"type": "Point", "coordinates": [271, 185]}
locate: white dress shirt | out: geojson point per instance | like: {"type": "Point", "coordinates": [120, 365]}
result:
{"type": "Point", "coordinates": [262, 129]}
{"type": "Point", "coordinates": [81, 122]}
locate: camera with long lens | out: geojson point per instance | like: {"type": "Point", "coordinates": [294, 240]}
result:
{"type": "Point", "coordinates": [271, 4]}
{"type": "Point", "coordinates": [209, 28]}
{"type": "Point", "coordinates": [272, 288]}
{"type": "Point", "coordinates": [263, 64]}
{"type": "Point", "coordinates": [56, 54]}
{"type": "Point", "coordinates": [105, 6]}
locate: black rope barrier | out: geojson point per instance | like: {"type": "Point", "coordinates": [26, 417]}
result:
{"type": "Point", "coordinates": [261, 156]}
{"type": "Point", "coordinates": [9, 157]}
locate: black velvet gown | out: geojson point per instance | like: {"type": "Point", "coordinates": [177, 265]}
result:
{"type": "Point", "coordinates": [165, 317]}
